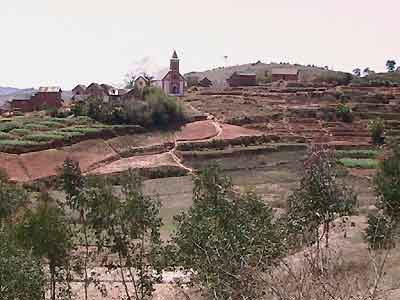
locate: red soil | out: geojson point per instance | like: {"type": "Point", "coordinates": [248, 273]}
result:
{"type": "Point", "coordinates": [135, 162]}
{"type": "Point", "coordinates": [200, 130]}
{"type": "Point", "coordinates": [232, 131]}
{"type": "Point", "coordinates": [11, 165]}
{"type": "Point", "coordinates": [43, 164]}
{"type": "Point", "coordinates": [91, 153]}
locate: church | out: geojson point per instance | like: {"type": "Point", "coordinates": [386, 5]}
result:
{"type": "Point", "coordinates": [173, 83]}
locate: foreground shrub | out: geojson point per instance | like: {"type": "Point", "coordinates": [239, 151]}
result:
{"type": "Point", "coordinates": [379, 233]}
{"type": "Point", "coordinates": [224, 239]}
{"type": "Point", "coordinates": [383, 229]}
{"type": "Point", "coordinates": [319, 200]}
{"type": "Point", "coordinates": [21, 276]}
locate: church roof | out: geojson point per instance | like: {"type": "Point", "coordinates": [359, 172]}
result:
{"type": "Point", "coordinates": [175, 55]}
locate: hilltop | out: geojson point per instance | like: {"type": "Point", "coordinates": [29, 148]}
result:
{"type": "Point", "coordinates": [220, 74]}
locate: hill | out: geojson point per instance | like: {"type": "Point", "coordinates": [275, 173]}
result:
{"type": "Point", "coordinates": [219, 75]}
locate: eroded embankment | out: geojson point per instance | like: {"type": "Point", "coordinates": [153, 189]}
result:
{"type": "Point", "coordinates": [153, 152]}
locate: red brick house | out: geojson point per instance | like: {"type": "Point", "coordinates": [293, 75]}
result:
{"type": "Point", "coordinates": [45, 98]}
{"type": "Point", "coordinates": [285, 74]}
{"type": "Point", "coordinates": [242, 79]}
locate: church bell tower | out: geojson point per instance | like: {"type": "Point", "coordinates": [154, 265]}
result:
{"type": "Point", "coordinates": [174, 62]}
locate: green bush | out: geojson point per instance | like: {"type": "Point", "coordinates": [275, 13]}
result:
{"type": "Point", "coordinates": [8, 126]}
{"type": "Point", "coordinates": [151, 109]}
{"type": "Point", "coordinates": [361, 163]}
{"type": "Point", "coordinates": [376, 128]}
{"type": "Point", "coordinates": [344, 112]}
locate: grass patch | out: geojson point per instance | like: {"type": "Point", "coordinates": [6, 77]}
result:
{"type": "Point", "coordinates": [44, 137]}
{"type": "Point", "coordinates": [21, 131]}
{"type": "Point", "coordinates": [83, 130]}
{"type": "Point", "coordinates": [37, 127]}
{"type": "Point", "coordinates": [5, 136]}
{"type": "Point", "coordinates": [360, 163]}
{"type": "Point", "coordinates": [18, 143]}
{"type": "Point", "coordinates": [357, 153]}
{"type": "Point", "coordinates": [51, 124]}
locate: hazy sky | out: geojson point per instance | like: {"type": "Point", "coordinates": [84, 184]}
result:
{"type": "Point", "coordinates": [65, 42]}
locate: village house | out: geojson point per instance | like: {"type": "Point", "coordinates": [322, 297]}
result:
{"type": "Point", "coordinates": [285, 74]}
{"type": "Point", "coordinates": [103, 91]}
{"type": "Point", "coordinates": [205, 82]}
{"type": "Point", "coordinates": [173, 82]}
{"type": "Point", "coordinates": [141, 82]}
{"type": "Point", "coordinates": [242, 79]}
{"type": "Point", "coordinates": [80, 89]}
{"type": "Point", "coordinates": [45, 98]}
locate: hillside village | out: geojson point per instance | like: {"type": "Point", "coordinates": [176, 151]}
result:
{"type": "Point", "coordinates": [235, 145]}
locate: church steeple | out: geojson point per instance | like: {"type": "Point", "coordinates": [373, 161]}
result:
{"type": "Point", "coordinates": [174, 62]}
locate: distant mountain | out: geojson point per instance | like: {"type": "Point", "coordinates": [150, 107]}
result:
{"type": "Point", "coordinates": [9, 90]}
{"type": "Point", "coordinates": [9, 93]}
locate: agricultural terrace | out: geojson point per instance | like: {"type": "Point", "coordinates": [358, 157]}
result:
{"type": "Point", "coordinates": [38, 132]}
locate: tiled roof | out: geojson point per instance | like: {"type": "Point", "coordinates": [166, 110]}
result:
{"type": "Point", "coordinates": [285, 71]}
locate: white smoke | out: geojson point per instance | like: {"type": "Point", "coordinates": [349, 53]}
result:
{"type": "Point", "coordinates": [147, 65]}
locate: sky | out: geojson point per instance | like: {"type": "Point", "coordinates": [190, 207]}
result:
{"type": "Point", "coordinates": [66, 42]}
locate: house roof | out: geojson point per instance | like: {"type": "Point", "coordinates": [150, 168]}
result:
{"type": "Point", "coordinates": [183, 78]}
{"type": "Point", "coordinates": [49, 89]}
{"type": "Point", "coordinates": [95, 86]}
{"type": "Point", "coordinates": [79, 86]}
{"type": "Point", "coordinates": [285, 71]}
{"type": "Point", "coordinates": [141, 76]}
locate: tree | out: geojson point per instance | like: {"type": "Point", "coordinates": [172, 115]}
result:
{"type": "Point", "coordinates": [357, 72]}
{"type": "Point", "coordinates": [382, 229]}
{"type": "Point", "coordinates": [129, 80]}
{"type": "Point", "coordinates": [320, 199]}
{"type": "Point", "coordinates": [366, 71]}
{"type": "Point", "coordinates": [46, 233]}
{"type": "Point", "coordinates": [74, 185]}
{"type": "Point", "coordinates": [21, 276]}
{"type": "Point", "coordinates": [391, 65]}
{"type": "Point", "coordinates": [224, 239]}
{"type": "Point", "coordinates": [129, 227]}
